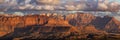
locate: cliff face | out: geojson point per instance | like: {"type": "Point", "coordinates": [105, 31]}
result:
{"type": "Point", "coordinates": [100, 23]}
{"type": "Point", "coordinates": [106, 23]}
{"type": "Point", "coordinates": [91, 29]}
{"type": "Point", "coordinates": [7, 24]}
{"type": "Point", "coordinates": [82, 19]}
{"type": "Point", "coordinates": [42, 26]}
{"type": "Point", "coordinates": [35, 26]}
{"type": "Point", "coordinates": [113, 26]}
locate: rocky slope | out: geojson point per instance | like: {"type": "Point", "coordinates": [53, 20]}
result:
{"type": "Point", "coordinates": [54, 27]}
{"type": "Point", "coordinates": [113, 26]}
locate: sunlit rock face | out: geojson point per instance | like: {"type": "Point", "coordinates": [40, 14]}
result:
{"type": "Point", "coordinates": [36, 25]}
{"type": "Point", "coordinates": [8, 24]}
{"type": "Point", "coordinates": [57, 22]}
{"type": "Point", "coordinates": [91, 29]}
{"type": "Point", "coordinates": [30, 20]}
{"type": "Point", "coordinates": [44, 26]}
{"type": "Point", "coordinates": [35, 20]}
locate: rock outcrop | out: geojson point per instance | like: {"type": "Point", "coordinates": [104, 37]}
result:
{"type": "Point", "coordinates": [82, 19]}
{"type": "Point", "coordinates": [53, 27]}
{"type": "Point", "coordinates": [113, 26]}
{"type": "Point", "coordinates": [7, 24]}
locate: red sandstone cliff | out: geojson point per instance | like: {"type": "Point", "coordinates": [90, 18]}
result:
{"type": "Point", "coordinates": [41, 26]}
{"type": "Point", "coordinates": [8, 24]}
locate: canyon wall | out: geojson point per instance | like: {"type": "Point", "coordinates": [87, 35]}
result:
{"type": "Point", "coordinates": [43, 26]}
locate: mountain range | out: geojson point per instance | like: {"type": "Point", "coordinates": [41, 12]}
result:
{"type": "Point", "coordinates": [53, 26]}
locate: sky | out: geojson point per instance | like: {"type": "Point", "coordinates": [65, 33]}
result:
{"type": "Point", "coordinates": [79, 0]}
{"type": "Point", "coordinates": [115, 0]}
{"type": "Point", "coordinates": [64, 4]}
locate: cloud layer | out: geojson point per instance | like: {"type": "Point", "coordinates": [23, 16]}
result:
{"type": "Point", "coordinates": [51, 2]}
{"type": "Point", "coordinates": [79, 5]}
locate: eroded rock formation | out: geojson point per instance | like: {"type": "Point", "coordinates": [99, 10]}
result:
{"type": "Point", "coordinates": [43, 27]}
{"type": "Point", "coordinates": [113, 26]}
